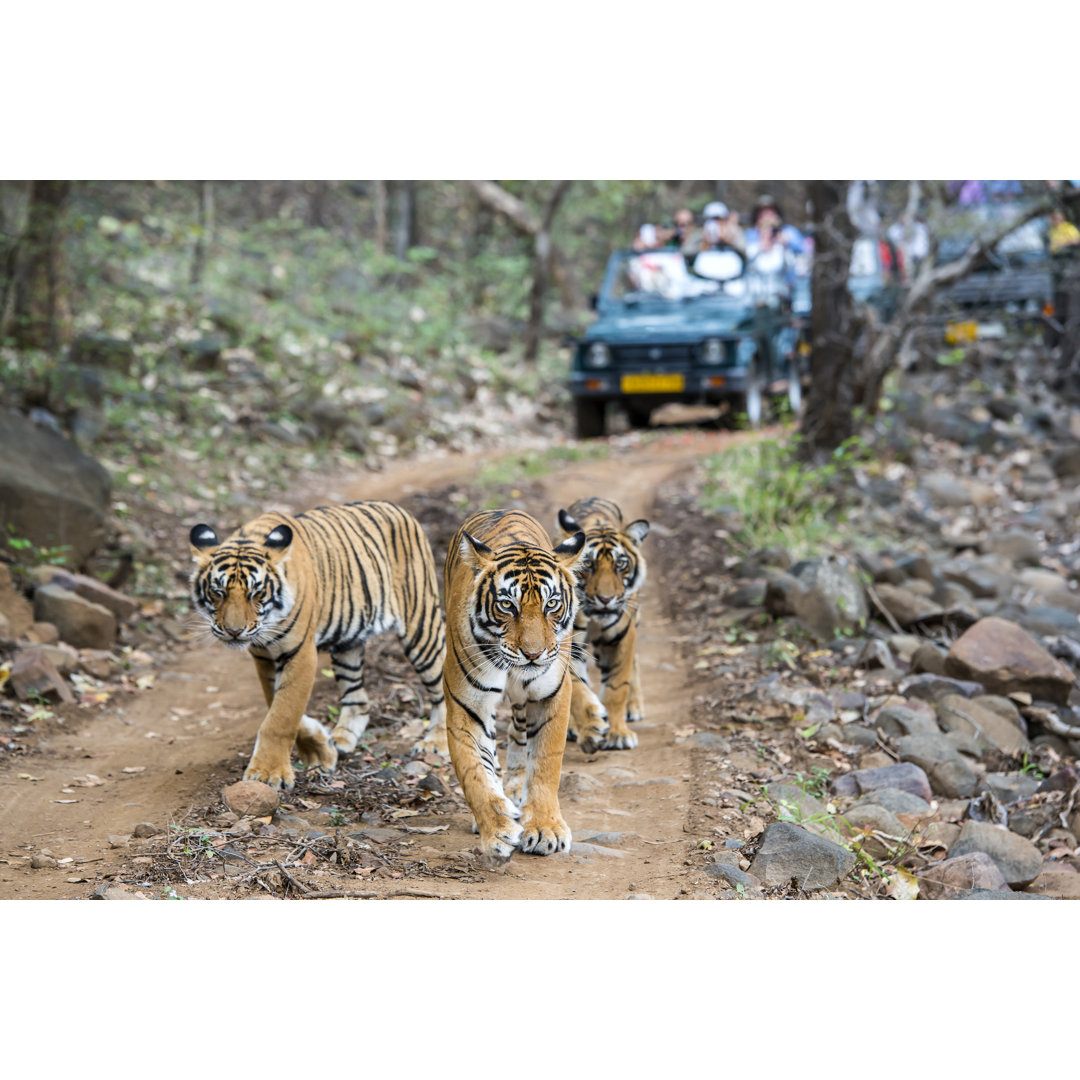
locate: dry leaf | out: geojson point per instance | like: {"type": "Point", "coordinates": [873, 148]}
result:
{"type": "Point", "coordinates": [405, 813]}
{"type": "Point", "coordinates": [27, 776]}
{"type": "Point", "coordinates": [134, 769]}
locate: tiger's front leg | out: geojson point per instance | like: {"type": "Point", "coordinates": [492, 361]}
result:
{"type": "Point", "coordinates": [353, 719]}
{"type": "Point", "coordinates": [616, 663]}
{"type": "Point", "coordinates": [277, 733]}
{"type": "Point", "coordinates": [470, 733]}
{"type": "Point", "coordinates": [588, 717]}
{"type": "Point", "coordinates": [545, 831]}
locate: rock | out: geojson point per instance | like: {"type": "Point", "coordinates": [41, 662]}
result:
{"type": "Point", "coordinates": [874, 655]}
{"type": "Point", "coordinates": [123, 607]}
{"type": "Point", "coordinates": [97, 663]}
{"type": "Point", "coordinates": [433, 784]}
{"type": "Point", "coordinates": [781, 592]}
{"type": "Point", "coordinates": [111, 890]}
{"type": "Point", "coordinates": [979, 579]}
{"type": "Point", "coordinates": [1044, 620]}
{"type": "Point", "coordinates": [1006, 659]}
{"type": "Point", "coordinates": [906, 606]}
{"type": "Point", "coordinates": [81, 623]}
{"type": "Point", "coordinates": [949, 774]}
{"type": "Point", "coordinates": [794, 803]}
{"type": "Point", "coordinates": [896, 720]}
{"type": "Point", "coordinates": [1066, 462]}
{"type": "Point", "coordinates": [50, 491]}
{"type": "Point", "coordinates": [996, 894]}
{"type": "Point", "coordinates": [15, 608]}
{"type": "Point", "coordinates": [43, 633]}
{"type": "Point", "coordinates": [750, 594]}
{"type": "Point", "coordinates": [597, 851]}
{"type": "Point", "coordinates": [833, 598]}
{"type": "Point", "coordinates": [1015, 545]}
{"type": "Point", "coordinates": [895, 801]}
{"type": "Point", "coordinates": [1011, 787]}
{"type": "Point", "coordinates": [931, 687]}
{"type": "Point", "coordinates": [944, 490]}
{"type": "Point", "coordinates": [941, 834]}
{"type": "Point", "coordinates": [33, 672]}
{"type": "Point", "coordinates": [42, 862]}
{"type": "Point", "coordinates": [877, 830]}
{"type": "Point", "coordinates": [733, 876]}
{"type": "Point", "coordinates": [146, 829]}
{"type": "Point", "coordinates": [574, 785]}
{"type": "Point", "coordinates": [959, 873]}
{"type": "Point", "coordinates": [251, 798]}
{"type": "Point", "coordinates": [1057, 884]}
{"type": "Point", "coordinates": [789, 854]}
{"type": "Point", "coordinates": [1046, 583]}
{"type": "Point", "coordinates": [1019, 860]}
{"type": "Point", "coordinates": [904, 645]}
{"type": "Point", "coordinates": [958, 714]}
{"type": "Point", "coordinates": [903, 777]}
{"type": "Point", "coordinates": [928, 659]}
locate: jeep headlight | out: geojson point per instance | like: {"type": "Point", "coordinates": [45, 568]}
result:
{"type": "Point", "coordinates": [598, 355]}
{"type": "Point", "coordinates": [712, 351]}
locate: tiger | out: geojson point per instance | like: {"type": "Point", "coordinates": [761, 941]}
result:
{"type": "Point", "coordinates": [284, 587]}
{"type": "Point", "coordinates": [611, 571]}
{"type": "Point", "coordinates": [510, 608]}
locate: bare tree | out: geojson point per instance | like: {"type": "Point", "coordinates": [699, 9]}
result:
{"type": "Point", "coordinates": [41, 317]}
{"type": "Point", "coordinates": [541, 265]}
{"type": "Point", "coordinates": [379, 207]}
{"type": "Point", "coordinates": [405, 225]}
{"type": "Point", "coordinates": [205, 234]}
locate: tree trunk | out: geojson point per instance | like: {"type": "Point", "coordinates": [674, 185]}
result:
{"type": "Point", "coordinates": [405, 226]}
{"type": "Point", "coordinates": [380, 215]}
{"type": "Point", "coordinates": [541, 266]}
{"type": "Point", "coordinates": [41, 317]}
{"type": "Point", "coordinates": [526, 221]}
{"type": "Point", "coordinates": [829, 417]}
{"type": "Point", "coordinates": [205, 234]}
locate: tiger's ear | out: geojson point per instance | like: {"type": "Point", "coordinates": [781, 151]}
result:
{"type": "Point", "coordinates": [203, 541]}
{"type": "Point", "coordinates": [475, 553]}
{"type": "Point", "coordinates": [568, 553]}
{"type": "Point", "coordinates": [279, 538]}
{"type": "Point", "coordinates": [568, 525]}
{"type": "Point", "coordinates": [637, 530]}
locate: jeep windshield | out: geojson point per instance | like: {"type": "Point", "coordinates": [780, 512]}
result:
{"type": "Point", "coordinates": [663, 277]}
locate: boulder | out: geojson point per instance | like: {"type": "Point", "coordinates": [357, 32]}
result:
{"type": "Point", "coordinates": [833, 598]}
{"type": "Point", "coordinates": [957, 874]}
{"type": "Point", "coordinates": [50, 492]}
{"type": "Point", "coordinates": [81, 623]}
{"type": "Point", "coordinates": [1006, 659]}
{"type": "Point", "coordinates": [34, 674]}
{"type": "Point", "coordinates": [789, 854]}
{"type": "Point", "coordinates": [949, 774]}
{"type": "Point", "coordinates": [958, 714]}
{"type": "Point", "coordinates": [1057, 884]}
{"type": "Point", "coordinates": [1018, 859]}
{"type": "Point", "coordinates": [906, 606]}
{"type": "Point", "coordinates": [123, 607]}
{"type": "Point", "coordinates": [895, 801]}
{"type": "Point", "coordinates": [903, 777]}
{"type": "Point", "coordinates": [251, 798]}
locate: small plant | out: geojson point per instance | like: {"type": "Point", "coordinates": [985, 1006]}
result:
{"type": "Point", "coordinates": [1031, 768]}
{"type": "Point", "coordinates": [337, 819]}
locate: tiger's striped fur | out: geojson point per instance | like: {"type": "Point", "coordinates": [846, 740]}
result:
{"type": "Point", "coordinates": [285, 587]}
{"type": "Point", "coordinates": [611, 571]}
{"type": "Point", "coordinates": [510, 607]}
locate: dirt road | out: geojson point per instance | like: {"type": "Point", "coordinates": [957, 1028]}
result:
{"type": "Point", "coordinates": [162, 758]}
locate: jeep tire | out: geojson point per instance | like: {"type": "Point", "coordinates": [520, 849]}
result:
{"type": "Point", "coordinates": [590, 418]}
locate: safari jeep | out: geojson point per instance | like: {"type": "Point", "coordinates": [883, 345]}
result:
{"type": "Point", "coordinates": [718, 334]}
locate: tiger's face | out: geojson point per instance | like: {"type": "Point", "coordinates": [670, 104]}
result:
{"type": "Point", "coordinates": [239, 586]}
{"type": "Point", "coordinates": [612, 569]}
{"type": "Point", "coordinates": [524, 602]}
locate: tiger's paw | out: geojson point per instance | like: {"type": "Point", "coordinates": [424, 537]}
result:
{"type": "Point", "coordinates": [622, 740]}
{"type": "Point", "coordinates": [502, 833]}
{"type": "Point", "coordinates": [594, 731]}
{"type": "Point", "coordinates": [313, 747]}
{"type": "Point", "coordinates": [433, 742]}
{"type": "Point", "coordinates": [634, 717]}
{"type": "Point", "coordinates": [545, 837]}
{"type": "Point", "coordinates": [276, 774]}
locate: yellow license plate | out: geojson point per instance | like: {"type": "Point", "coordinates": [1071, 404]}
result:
{"type": "Point", "coordinates": [959, 333]}
{"type": "Point", "coordinates": [652, 384]}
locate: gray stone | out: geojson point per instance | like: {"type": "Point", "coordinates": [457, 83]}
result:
{"type": "Point", "coordinates": [833, 598]}
{"type": "Point", "coordinates": [928, 659]}
{"type": "Point", "coordinates": [50, 491]}
{"type": "Point", "coordinates": [991, 730]}
{"type": "Point", "coordinates": [730, 875]}
{"type": "Point", "coordinates": [949, 774]}
{"type": "Point", "coordinates": [896, 802]}
{"type": "Point", "coordinates": [1045, 620]}
{"type": "Point", "coordinates": [597, 851]}
{"type": "Point", "coordinates": [378, 836]}
{"type": "Point", "coordinates": [959, 873]}
{"type": "Point", "coordinates": [896, 720]}
{"type": "Point", "coordinates": [997, 894]}
{"type": "Point", "coordinates": [145, 829]}
{"type": "Point", "coordinates": [1018, 859]}
{"type": "Point", "coordinates": [931, 687]}
{"type": "Point", "coordinates": [781, 592]}
{"type": "Point", "coordinates": [123, 607]}
{"type": "Point", "coordinates": [904, 777]}
{"type": "Point", "coordinates": [980, 580]}
{"type": "Point", "coordinates": [906, 606]}
{"type": "Point", "coordinates": [751, 594]}
{"type": "Point", "coordinates": [944, 490]}
{"type": "Point", "coordinates": [1018, 546]}
{"type": "Point", "coordinates": [789, 854]}
{"type": "Point", "coordinates": [877, 830]}
{"type": "Point", "coordinates": [81, 623]}
{"type": "Point", "coordinates": [794, 803]}
{"type": "Point", "coordinates": [874, 655]}
{"type": "Point", "coordinates": [1011, 787]}
{"type": "Point", "coordinates": [1006, 659]}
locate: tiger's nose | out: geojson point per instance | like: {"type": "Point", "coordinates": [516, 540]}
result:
{"type": "Point", "coordinates": [235, 633]}
{"type": "Point", "coordinates": [605, 600]}
{"type": "Point", "coordinates": [531, 655]}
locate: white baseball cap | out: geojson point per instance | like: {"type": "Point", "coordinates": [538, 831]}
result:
{"type": "Point", "coordinates": [715, 210]}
